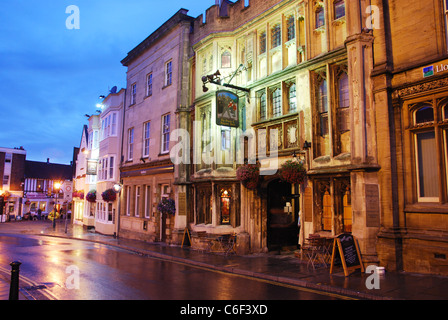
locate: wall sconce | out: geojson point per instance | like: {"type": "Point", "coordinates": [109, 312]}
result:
{"type": "Point", "coordinates": [117, 187]}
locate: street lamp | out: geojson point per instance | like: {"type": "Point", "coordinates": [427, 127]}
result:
{"type": "Point", "coordinates": [57, 187]}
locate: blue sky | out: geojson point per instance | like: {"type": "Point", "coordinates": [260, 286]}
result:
{"type": "Point", "coordinates": [50, 76]}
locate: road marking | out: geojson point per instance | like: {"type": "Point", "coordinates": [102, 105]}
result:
{"type": "Point", "coordinates": [30, 283]}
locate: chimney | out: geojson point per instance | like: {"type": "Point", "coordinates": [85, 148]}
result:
{"type": "Point", "coordinates": [48, 160]}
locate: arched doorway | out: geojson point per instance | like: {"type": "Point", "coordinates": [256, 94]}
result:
{"type": "Point", "coordinates": [282, 218]}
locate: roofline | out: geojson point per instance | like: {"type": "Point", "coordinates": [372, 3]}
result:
{"type": "Point", "coordinates": [178, 17]}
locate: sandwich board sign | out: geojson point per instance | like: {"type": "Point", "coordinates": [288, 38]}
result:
{"type": "Point", "coordinates": [346, 252]}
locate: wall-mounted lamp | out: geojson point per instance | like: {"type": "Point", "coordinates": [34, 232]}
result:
{"type": "Point", "coordinates": [118, 187]}
{"type": "Point", "coordinates": [307, 145]}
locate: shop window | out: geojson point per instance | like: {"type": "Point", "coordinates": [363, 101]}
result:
{"type": "Point", "coordinates": [225, 205]}
{"type": "Point", "coordinates": [339, 9]}
{"type": "Point", "coordinates": [326, 211]}
{"type": "Point", "coordinates": [291, 26]}
{"type": "Point", "coordinates": [204, 204]}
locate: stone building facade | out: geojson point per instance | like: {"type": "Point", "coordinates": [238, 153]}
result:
{"type": "Point", "coordinates": [155, 104]}
{"type": "Point", "coordinates": [306, 64]}
{"type": "Point", "coordinates": [410, 77]}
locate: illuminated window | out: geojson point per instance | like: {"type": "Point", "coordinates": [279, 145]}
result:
{"type": "Point", "coordinates": [225, 204]}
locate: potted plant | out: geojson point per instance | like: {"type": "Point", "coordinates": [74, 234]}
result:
{"type": "Point", "coordinates": [293, 171]}
{"type": "Point", "coordinates": [91, 196]}
{"type": "Point", "coordinates": [167, 206]}
{"type": "Point", "coordinates": [109, 195]}
{"type": "Point", "coordinates": [249, 175]}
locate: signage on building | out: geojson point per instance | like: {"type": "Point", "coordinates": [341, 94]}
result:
{"type": "Point", "coordinates": [227, 111]}
{"type": "Point", "coordinates": [432, 70]}
{"type": "Point", "coordinates": [92, 167]}
{"type": "Point", "coordinates": [67, 188]}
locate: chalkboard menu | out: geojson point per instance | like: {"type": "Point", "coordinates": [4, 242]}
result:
{"type": "Point", "coordinates": [346, 252]}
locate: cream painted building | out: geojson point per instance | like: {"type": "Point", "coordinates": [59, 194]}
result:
{"type": "Point", "coordinates": [108, 173]}
{"type": "Point", "coordinates": [156, 101]}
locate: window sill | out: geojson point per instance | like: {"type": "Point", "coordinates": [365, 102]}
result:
{"type": "Point", "coordinates": [426, 208]}
{"type": "Point", "coordinates": [166, 86]}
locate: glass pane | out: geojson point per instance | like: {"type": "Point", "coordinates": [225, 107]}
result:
{"type": "Point", "coordinates": [320, 18]}
{"type": "Point", "coordinates": [424, 114]}
{"type": "Point", "coordinates": [277, 103]}
{"type": "Point", "coordinates": [445, 116]}
{"type": "Point", "coordinates": [339, 9]}
{"type": "Point", "coordinates": [427, 165]}
{"type": "Point", "coordinates": [322, 99]}
{"type": "Point", "coordinates": [344, 98]}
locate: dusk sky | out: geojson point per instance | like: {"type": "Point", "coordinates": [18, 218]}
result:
{"type": "Point", "coordinates": [52, 76]}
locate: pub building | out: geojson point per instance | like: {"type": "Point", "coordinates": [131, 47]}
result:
{"type": "Point", "coordinates": [305, 68]}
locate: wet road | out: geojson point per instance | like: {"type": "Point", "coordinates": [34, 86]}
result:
{"type": "Point", "coordinates": [80, 270]}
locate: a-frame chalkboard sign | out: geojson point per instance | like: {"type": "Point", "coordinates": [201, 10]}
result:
{"type": "Point", "coordinates": [187, 238]}
{"type": "Point", "coordinates": [346, 252]}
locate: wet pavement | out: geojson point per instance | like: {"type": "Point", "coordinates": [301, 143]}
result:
{"type": "Point", "coordinates": [283, 268]}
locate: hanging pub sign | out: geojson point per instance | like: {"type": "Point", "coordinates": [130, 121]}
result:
{"type": "Point", "coordinates": [92, 167]}
{"type": "Point", "coordinates": [227, 109]}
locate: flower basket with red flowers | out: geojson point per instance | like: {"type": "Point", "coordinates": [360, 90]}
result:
{"type": "Point", "coordinates": [91, 196]}
{"type": "Point", "coordinates": [167, 206]}
{"type": "Point", "coordinates": [249, 175]}
{"type": "Point", "coordinates": [109, 195]}
{"type": "Point", "coordinates": [293, 171]}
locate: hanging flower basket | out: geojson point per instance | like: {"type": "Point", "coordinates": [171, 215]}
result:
{"type": "Point", "coordinates": [109, 195]}
{"type": "Point", "coordinates": [249, 175]}
{"type": "Point", "coordinates": [293, 171]}
{"type": "Point", "coordinates": [167, 206]}
{"type": "Point", "coordinates": [91, 196]}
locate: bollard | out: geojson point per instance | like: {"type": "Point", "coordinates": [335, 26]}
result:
{"type": "Point", "coordinates": [14, 289]}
